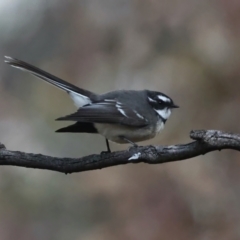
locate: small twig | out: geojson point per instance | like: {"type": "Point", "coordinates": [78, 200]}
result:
{"type": "Point", "coordinates": [206, 141]}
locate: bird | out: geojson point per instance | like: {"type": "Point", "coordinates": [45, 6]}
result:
{"type": "Point", "coordinates": [121, 116]}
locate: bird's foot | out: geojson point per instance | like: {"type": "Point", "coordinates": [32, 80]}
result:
{"type": "Point", "coordinates": [133, 144]}
{"type": "Point", "coordinates": [105, 152]}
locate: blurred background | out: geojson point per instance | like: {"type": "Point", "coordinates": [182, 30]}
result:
{"type": "Point", "coordinates": [188, 49]}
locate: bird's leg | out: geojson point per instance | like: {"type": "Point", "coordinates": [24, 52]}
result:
{"type": "Point", "coordinates": [129, 141]}
{"type": "Point", "coordinates": [108, 147]}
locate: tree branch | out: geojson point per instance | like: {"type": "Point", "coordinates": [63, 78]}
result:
{"type": "Point", "coordinates": [205, 141]}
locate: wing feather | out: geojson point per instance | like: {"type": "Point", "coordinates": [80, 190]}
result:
{"type": "Point", "coordinates": [108, 111]}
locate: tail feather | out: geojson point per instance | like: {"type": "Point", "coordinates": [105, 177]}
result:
{"type": "Point", "coordinates": [79, 127]}
{"type": "Point", "coordinates": [70, 88]}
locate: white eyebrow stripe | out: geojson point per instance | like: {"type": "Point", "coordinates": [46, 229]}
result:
{"type": "Point", "coordinates": [163, 98]}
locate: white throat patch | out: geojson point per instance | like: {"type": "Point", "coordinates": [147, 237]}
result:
{"type": "Point", "coordinates": [164, 113]}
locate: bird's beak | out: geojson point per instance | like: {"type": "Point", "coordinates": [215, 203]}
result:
{"type": "Point", "coordinates": [174, 106]}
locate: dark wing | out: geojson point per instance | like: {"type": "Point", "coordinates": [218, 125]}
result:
{"type": "Point", "coordinates": [108, 111]}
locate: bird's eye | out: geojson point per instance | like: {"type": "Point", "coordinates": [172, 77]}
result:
{"type": "Point", "coordinates": [160, 101]}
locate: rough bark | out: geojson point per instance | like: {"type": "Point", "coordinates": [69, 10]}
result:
{"type": "Point", "coordinates": [204, 141]}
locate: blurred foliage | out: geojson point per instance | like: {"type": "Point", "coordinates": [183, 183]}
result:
{"type": "Point", "coordinates": [187, 49]}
